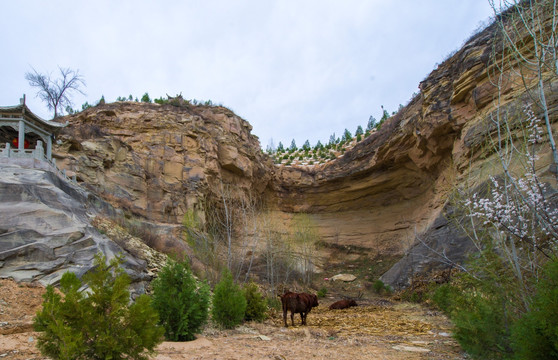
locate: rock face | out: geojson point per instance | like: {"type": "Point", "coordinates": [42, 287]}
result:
{"type": "Point", "coordinates": [158, 161]}
{"type": "Point", "coordinates": [442, 245]}
{"type": "Point", "coordinates": [45, 227]}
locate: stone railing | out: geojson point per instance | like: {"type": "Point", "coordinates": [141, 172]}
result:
{"type": "Point", "coordinates": [38, 153]}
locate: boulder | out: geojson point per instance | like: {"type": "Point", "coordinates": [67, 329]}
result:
{"type": "Point", "coordinates": [344, 277]}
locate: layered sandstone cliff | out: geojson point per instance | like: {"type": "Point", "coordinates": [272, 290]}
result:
{"type": "Point", "coordinates": [393, 185]}
{"type": "Point", "coordinates": [389, 194]}
{"type": "Point", "coordinates": [158, 161]}
{"type": "Point", "coordinates": [381, 196]}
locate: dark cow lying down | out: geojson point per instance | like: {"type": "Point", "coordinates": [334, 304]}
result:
{"type": "Point", "coordinates": [297, 303]}
{"type": "Point", "coordinates": [342, 304]}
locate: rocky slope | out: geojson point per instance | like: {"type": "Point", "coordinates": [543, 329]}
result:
{"type": "Point", "coordinates": [46, 228]}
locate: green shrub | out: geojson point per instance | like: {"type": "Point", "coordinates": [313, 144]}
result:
{"type": "Point", "coordinates": [482, 306]}
{"type": "Point", "coordinates": [256, 306]}
{"type": "Point", "coordinates": [480, 325]}
{"type": "Point", "coordinates": [414, 297]}
{"type": "Point", "coordinates": [322, 292]}
{"type": "Point", "coordinates": [161, 101]}
{"type": "Point", "coordinates": [229, 303]}
{"type": "Point", "coordinates": [182, 301]}
{"type": "Point", "coordinates": [85, 106]}
{"type": "Point", "coordinates": [378, 286]}
{"type": "Point", "coordinates": [443, 296]}
{"type": "Point", "coordinates": [101, 325]}
{"type": "Point", "coordinates": [535, 335]}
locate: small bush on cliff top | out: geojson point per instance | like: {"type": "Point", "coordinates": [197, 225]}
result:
{"type": "Point", "coordinates": [145, 98]}
{"type": "Point", "coordinates": [101, 325]}
{"type": "Point", "coordinates": [182, 302]}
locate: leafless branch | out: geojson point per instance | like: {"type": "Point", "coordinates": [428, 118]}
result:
{"type": "Point", "coordinates": [56, 92]}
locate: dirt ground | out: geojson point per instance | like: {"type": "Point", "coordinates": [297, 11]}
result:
{"type": "Point", "coordinates": [377, 329]}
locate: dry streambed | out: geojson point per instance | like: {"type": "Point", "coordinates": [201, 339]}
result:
{"type": "Point", "coordinates": [376, 330]}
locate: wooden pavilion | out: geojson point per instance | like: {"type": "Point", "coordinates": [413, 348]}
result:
{"type": "Point", "coordinates": [24, 134]}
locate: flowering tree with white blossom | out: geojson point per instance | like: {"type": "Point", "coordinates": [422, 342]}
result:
{"type": "Point", "coordinates": [512, 218]}
{"type": "Point", "coordinates": [517, 217]}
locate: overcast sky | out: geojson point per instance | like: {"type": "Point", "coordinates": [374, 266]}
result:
{"type": "Point", "coordinates": [299, 69]}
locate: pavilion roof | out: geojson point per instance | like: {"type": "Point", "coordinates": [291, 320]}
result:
{"type": "Point", "coordinates": [27, 114]}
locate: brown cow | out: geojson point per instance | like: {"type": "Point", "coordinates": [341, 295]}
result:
{"type": "Point", "coordinates": [342, 304]}
{"type": "Point", "coordinates": [297, 303]}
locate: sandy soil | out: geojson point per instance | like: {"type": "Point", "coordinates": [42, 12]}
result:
{"type": "Point", "coordinates": [378, 329]}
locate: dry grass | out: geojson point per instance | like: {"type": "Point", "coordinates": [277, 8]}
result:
{"type": "Point", "coordinates": [378, 330]}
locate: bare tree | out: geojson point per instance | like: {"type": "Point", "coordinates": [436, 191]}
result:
{"type": "Point", "coordinates": [55, 92]}
{"type": "Point", "coordinates": [525, 56]}
{"type": "Point", "coordinates": [203, 243]}
{"type": "Point", "coordinates": [227, 236]}
{"type": "Point", "coordinates": [305, 239]}
{"type": "Point", "coordinates": [277, 252]}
